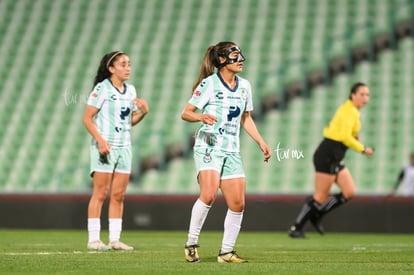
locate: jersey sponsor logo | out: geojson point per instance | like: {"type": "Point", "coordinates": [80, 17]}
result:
{"type": "Point", "coordinates": [233, 97]}
{"type": "Point", "coordinates": [119, 129]}
{"type": "Point", "coordinates": [99, 87]}
{"type": "Point", "coordinates": [219, 95]}
{"type": "Point", "coordinates": [125, 111]}
{"type": "Point", "coordinates": [197, 93]}
{"type": "Point", "coordinates": [95, 95]}
{"type": "Point", "coordinates": [229, 129]}
{"type": "Point", "coordinates": [233, 112]}
{"type": "Point", "coordinates": [113, 97]}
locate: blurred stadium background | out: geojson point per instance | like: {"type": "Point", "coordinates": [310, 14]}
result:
{"type": "Point", "coordinates": [302, 57]}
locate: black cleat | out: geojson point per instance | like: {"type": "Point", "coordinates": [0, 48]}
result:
{"type": "Point", "coordinates": [296, 233]}
{"type": "Point", "coordinates": [316, 223]}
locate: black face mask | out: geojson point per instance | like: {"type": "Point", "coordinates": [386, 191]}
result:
{"type": "Point", "coordinates": [240, 57]}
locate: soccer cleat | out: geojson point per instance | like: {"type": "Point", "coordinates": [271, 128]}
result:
{"type": "Point", "coordinates": [230, 257]}
{"type": "Point", "coordinates": [98, 246]}
{"type": "Point", "coordinates": [296, 233]}
{"type": "Point", "coordinates": [316, 224]}
{"type": "Point", "coordinates": [117, 245]}
{"type": "Point", "coordinates": [191, 253]}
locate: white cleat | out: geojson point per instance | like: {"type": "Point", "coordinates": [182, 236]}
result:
{"type": "Point", "coordinates": [98, 246]}
{"type": "Point", "coordinates": [117, 245]}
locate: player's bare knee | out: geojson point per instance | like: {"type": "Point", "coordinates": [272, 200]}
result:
{"type": "Point", "coordinates": [237, 206]}
{"type": "Point", "coordinates": [99, 196]}
{"type": "Point", "coordinates": [208, 199]}
{"type": "Point", "coordinates": [118, 196]}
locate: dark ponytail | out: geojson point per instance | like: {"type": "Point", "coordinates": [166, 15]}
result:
{"type": "Point", "coordinates": [106, 61]}
{"type": "Point", "coordinates": [207, 67]}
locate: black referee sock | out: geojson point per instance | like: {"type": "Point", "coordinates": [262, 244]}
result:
{"type": "Point", "coordinates": [333, 202]}
{"type": "Point", "coordinates": [309, 209]}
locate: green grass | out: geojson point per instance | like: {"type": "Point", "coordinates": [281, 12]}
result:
{"type": "Point", "coordinates": [161, 252]}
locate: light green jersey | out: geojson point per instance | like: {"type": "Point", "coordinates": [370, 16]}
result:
{"type": "Point", "coordinates": [113, 119]}
{"type": "Point", "coordinates": [213, 96]}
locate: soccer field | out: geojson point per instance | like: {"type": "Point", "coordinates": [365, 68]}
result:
{"type": "Point", "coordinates": [161, 252]}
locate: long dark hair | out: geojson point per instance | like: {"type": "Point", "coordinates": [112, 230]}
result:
{"type": "Point", "coordinates": [355, 87]}
{"type": "Point", "coordinates": [211, 60]}
{"type": "Point", "coordinates": [106, 62]}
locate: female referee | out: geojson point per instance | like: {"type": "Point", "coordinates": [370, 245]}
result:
{"type": "Point", "coordinates": [112, 109]}
{"type": "Point", "coordinates": [225, 101]}
{"type": "Point", "coordinates": [341, 134]}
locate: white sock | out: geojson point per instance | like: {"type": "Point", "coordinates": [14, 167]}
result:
{"type": "Point", "coordinates": [115, 228]}
{"type": "Point", "coordinates": [232, 225]}
{"type": "Point", "coordinates": [198, 216]}
{"type": "Point", "coordinates": [94, 229]}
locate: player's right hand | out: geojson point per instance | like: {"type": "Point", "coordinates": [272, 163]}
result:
{"type": "Point", "coordinates": [103, 147]}
{"type": "Point", "coordinates": [208, 119]}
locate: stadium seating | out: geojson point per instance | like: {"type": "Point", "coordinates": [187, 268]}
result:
{"type": "Point", "coordinates": [386, 126]}
{"type": "Point", "coordinates": [51, 50]}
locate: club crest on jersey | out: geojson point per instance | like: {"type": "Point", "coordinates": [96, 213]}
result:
{"type": "Point", "coordinates": [243, 93]}
{"type": "Point", "coordinates": [207, 156]}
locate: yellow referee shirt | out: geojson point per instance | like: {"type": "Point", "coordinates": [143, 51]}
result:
{"type": "Point", "coordinates": [344, 126]}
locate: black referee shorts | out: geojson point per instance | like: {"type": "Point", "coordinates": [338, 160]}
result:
{"type": "Point", "coordinates": [328, 156]}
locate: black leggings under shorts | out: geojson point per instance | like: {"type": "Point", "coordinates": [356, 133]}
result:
{"type": "Point", "coordinates": [328, 156]}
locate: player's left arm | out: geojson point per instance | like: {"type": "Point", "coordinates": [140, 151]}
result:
{"type": "Point", "coordinates": [143, 111]}
{"type": "Point", "coordinates": [250, 127]}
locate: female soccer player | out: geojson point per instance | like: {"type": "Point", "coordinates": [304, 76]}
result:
{"type": "Point", "coordinates": [225, 101]}
{"type": "Point", "coordinates": [341, 134]}
{"type": "Point", "coordinates": [112, 109]}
